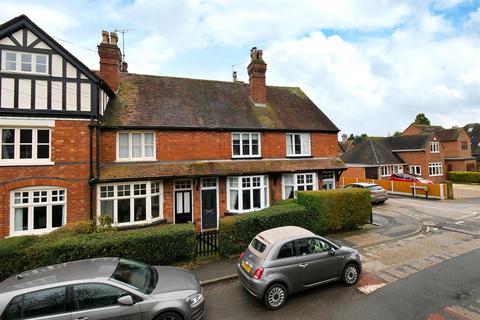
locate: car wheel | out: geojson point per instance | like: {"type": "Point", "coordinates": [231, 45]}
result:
{"type": "Point", "coordinates": [169, 315]}
{"type": "Point", "coordinates": [350, 274]}
{"type": "Point", "coordinates": [276, 296]}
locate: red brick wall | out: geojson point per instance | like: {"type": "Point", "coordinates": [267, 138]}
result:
{"type": "Point", "coordinates": [411, 129]}
{"type": "Point", "coordinates": [454, 148]}
{"type": "Point", "coordinates": [423, 158]}
{"type": "Point", "coordinates": [210, 145]}
{"type": "Point", "coordinates": [71, 153]}
{"type": "Point", "coordinates": [354, 173]}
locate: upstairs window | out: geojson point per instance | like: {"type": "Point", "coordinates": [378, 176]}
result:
{"type": "Point", "coordinates": [434, 147]}
{"type": "Point", "coordinates": [25, 62]}
{"type": "Point", "coordinates": [19, 145]}
{"type": "Point", "coordinates": [298, 144]}
{"type": "Point", "coordinates": [135, 146]}
{"type": "Point", "coordinates": [464, 145]}
{"type": "Point", "coordinates": [245, 145]}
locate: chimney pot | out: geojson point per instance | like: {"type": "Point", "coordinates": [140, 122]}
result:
{"type": "Point", "coordinates": [105, 37]}
{"type": "Point", "coordinates": [234, 75]}
{"type": "Point", "coordinates": [344, 138]}
{"type": "Point", "coordinates": [256, 74]}
{"type": "Point", "coordinates": [113, 38]}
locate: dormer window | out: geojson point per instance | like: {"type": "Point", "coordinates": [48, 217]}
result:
{"type": "Point", "coordinates": [434, 147]}
{"type": "Point", "coordinates": [24, 62]}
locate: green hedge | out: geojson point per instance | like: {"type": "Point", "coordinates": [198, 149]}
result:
{"type": "Point", "coordinates": [464, 176]}
{"type": "Point", "coordinates": [154, 245]}
{"type": "Point", "coordinates": [236, 232]}
{"type": "Point", "coordinates": [338, 209]}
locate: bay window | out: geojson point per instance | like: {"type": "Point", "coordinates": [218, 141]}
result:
{"type": "Point", "coordinates": [247, 193]}
{"type": "Point", "coordinates": [130, 203]}
{"type": "Point", "coordinates": [135, 146]}
{"type": "Point", "coordinates": [298, 182]}
{"type": "Point", "coordinates": [298, 144]}
{"type": "Point", "coordinates": [245, 145]}
{"type": "Point", "coordinates": [37, 210]}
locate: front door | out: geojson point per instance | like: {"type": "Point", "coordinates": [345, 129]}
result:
{"type": "Point", "coordinates": [183, 206]}
{"type": "Point", "coordinates": [209, 203]}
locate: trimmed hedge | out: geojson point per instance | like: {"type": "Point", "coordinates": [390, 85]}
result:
{"type": "Point", "coordinates": [154, 245]}
{"type": "Point", "coordinates": [464, 176]}
{"type": "Point", "coordinates": [236, 232]}
{"type": "Point", "coordinates": [337, 209]}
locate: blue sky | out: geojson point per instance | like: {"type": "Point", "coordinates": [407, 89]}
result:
{"type": "Point", "coordinates": [371, 66]}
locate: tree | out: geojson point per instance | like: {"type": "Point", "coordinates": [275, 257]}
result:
{"type": "Point", "coordinates": [358, 139]}
{"type": "Point", "coordinates": [397, 133]}
{"type": "Point", "coordinates": [422, 119]}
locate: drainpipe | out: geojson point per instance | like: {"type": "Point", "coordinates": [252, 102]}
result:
{"type": "Point", "coordinates": [91, 175]}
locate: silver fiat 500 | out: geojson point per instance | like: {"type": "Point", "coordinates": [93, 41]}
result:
{"type": "Point", "coordinates": [102, 288]}
{"type": "Point", "coordinates": [285, 260]}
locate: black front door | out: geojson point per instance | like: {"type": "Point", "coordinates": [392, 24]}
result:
{"type": "Point", "coordinates": [209, 209]}
{"type": "Point", "coordinates": [183, 206]}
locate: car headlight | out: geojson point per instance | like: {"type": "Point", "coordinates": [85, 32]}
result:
{"type": "Point", "coordinates": [194, 300]}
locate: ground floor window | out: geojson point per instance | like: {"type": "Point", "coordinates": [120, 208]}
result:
{"type": "Point", "coordinates": [37, 210]}
{"type": "Point", "coordinates": [387, 171]}
{"type": "Point", "coordinates": [129, 203]}
{"type": "Point", "coordinates": [435, 169]}
{"type": "Point", "coordinates": [298, 182]}
{"type": "Point", "coordinates": [247, 193]}
{"type": "Point", "coordinates": [415, 169]}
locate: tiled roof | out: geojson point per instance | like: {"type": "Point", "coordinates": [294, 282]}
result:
{"type": "Point", "coordinates": [346, 145]}
{"type": "Point", "coordinates": [153, 170]}
{"type": "Point", "coordinates": [442, 133]}
{"type": "Point", "coordinates": [169, 102]}
{"type": "Point", "coordinates": [410, 142]}
{"type": "Point", "coordinates": [371, 152]}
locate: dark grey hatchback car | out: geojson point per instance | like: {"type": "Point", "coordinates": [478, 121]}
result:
{"type": "Point", "coordinates": [285, 260]}
{"type": "Point", "coordinates": [102, 288]}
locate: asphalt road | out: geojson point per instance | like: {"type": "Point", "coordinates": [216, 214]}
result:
{"type": "Point", "coordinates": [455, 282]}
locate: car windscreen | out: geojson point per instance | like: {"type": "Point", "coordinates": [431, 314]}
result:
{"type": "Point", "coordinates": [138, 275]}
{"type": "Point", "coordinates": [375, 187]}
{"type": "Point", "coordinates": [258, 245]}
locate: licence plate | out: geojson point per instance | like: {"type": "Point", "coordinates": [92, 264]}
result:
{"type": "Point", "coordinates": [245, 266]}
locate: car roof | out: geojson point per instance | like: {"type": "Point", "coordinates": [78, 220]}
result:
{"type": "Point", "coordinates": [99, 268]}
{"type": "Point", "coordinates": [364, 184]}
{"type": "Point", "coordinates": [283, 233]}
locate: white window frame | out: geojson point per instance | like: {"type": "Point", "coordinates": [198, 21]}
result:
{"type": "Point", "coordinates": [435, 169]}
{"type": "Point", "coordinates": [435, 147]}
{"type": "Point", "coordinates": [413, 169]}
{"type": "Point", "coordinates": [386, 171]}
{"type": "Point", "coordinates": [251, 155]}
{"type": "Point", "coordinates": [18, 62]}
{"type": "Point", "coordinates": [264, 195]}
{"type": "Point", "coordinates": [291, 180]}
{"type": "Point", "coordinates": [130, 146]}
{"type": "Point", "coordinates": [332, 179]}
{"type": "Point", "coordinates": [32, 201]}
{"type": "Point", "coordinates": [305, 144]}
{"type": "Point", "coordinates": [17, 161]}
{"type": "Point", "coordinates": [115, 197]}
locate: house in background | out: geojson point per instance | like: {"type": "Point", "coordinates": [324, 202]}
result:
{"type": "Point", "coordinates": [145, 149]}
{"type": "Point", "coordinates": [345, 145]}
{"type": "Point", "coordinates": [473, 131]}
{"type": "Point", "coordinates": [455, 144]}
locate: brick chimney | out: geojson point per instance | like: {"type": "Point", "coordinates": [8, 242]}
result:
{"type": "Point", "coordinates": [256, 74]}
{"type": "Point", "coordinates": [110, 59]}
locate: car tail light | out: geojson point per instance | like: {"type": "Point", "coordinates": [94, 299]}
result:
{"type": "Point", "coordinates": [241, 256]}
{"type": "Point", "coordinates": [258, 273]}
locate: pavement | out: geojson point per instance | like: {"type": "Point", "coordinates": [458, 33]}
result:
{"type": "Point", "coordinates": [387, 226]}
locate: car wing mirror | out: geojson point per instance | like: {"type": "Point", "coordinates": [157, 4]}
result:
{"type": "Point", "coordinates": [125, 300]}
{"type": "Point", "coordinates": [332, 251]}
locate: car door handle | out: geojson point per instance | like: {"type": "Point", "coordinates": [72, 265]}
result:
{"type": "Point", "coordinates": [303, 265]}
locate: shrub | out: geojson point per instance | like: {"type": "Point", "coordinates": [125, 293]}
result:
{"type": "Point", "coordinates": [236, 232]}
{"type": "Point", "coordinates": [154, 245]}
{"type": "Point", "coordinates": [464, 176]}
{"type": "Point", "coordinates": [338, 209]}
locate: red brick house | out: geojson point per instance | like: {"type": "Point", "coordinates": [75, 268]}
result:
{"type": "Point", "coordinates": [146, 149]}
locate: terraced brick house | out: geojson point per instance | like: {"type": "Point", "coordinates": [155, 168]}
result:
{"type": "Point", "coordinates": [144, 149]}
{"type": "Point", "coordinates": [473, 131]}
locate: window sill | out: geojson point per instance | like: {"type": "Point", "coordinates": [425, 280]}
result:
{"type": "Point", "coordinates": [137, 160]}
{"type": "Point", "coordinates": [246, 157]}
{"type": "Point", "coordinates": [31, 232]}
{"type": "Point", "coordinates": [19, 163]}
{"type": "Point", "coordinates": [25, 72]}
{"type": "Point", "coordinates": [300, 156]}
{"type": "Point", "coordinates": [436, 175]}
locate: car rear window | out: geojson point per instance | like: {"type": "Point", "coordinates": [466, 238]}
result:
{"type": "Point", "coordinates": [375, 188]}
{"type": "Point", "coordinates": [258, 245]}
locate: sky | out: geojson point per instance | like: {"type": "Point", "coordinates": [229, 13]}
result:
{"type": "Point", "coordinates": [370, 66]}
